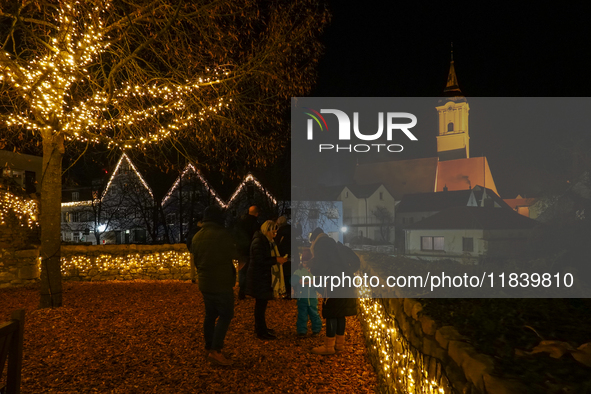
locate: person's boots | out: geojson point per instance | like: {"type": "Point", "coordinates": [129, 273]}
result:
{"type": "Point", "coordinates": [340, 343]}
{"type": "Point", "coordinates": [327, 348]}
{"type": "Point", "coordinates": [218, 358]}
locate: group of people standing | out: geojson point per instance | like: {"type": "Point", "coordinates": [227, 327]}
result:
{"type": "Point", "coordinates": [264, 256]}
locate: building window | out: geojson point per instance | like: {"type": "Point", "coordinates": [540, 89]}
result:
{"type": "Point", "coordinates": [75, 196]}
{"type": "Point", "coordinates": [403, 220]}
{"type": "Point", "coordinates": [381, 195]}
{"type": "Point", "coordinates": [171, 218]}
{"type": "Point", "coordinates": [450, 126]}
{"type": "Point", "coordinates": [74, 217]}
{"type": "Point", "coordinates": [76, 237]}
{"type": "Point", "coordinates": [432, 243]}
{"type": "Point", "coordinates": [314, 214]}
{"type": "Point", "coordinates": [346, 194]}
{"type": "Point", "coordinates": [333, 213]}
{"type": "Point", "coordinates": [467, 244]}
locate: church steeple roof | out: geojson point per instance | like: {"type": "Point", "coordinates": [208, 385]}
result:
{"type": "Point", "coordinates": [452, 88]}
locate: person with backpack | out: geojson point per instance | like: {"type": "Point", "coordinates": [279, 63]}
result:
{"type": "Point", "coordinates": [339, 303]}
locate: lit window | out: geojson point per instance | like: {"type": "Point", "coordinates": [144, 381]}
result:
{"type": "Point", "coordinates": [432, 243]}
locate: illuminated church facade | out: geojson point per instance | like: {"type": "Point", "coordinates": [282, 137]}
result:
{"type": "Point", "coordinates": [452, 169]}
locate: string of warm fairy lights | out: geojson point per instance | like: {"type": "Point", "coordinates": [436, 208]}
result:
{"type": "Point", "coordinates": [189, 168]}
{"type": "Point", "coordinates": [46, 83]}
{"type": "Point", "coordinates": [141, 178]}
{"type": "Point", "coordinates": [25, 210]}
{"type": "Point", "coordinates": [222, 203]}
{"type": "Point", "coordinates": [404, 368]}
{"type": "Point", "coordinates": [106, 263]}
{"type": "Point", "coordinates": [249, 178]}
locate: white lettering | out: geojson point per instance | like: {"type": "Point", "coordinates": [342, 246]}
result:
{"type": "Point", "coordinates": [364, 137]}
{"type": "Point", "coordinates": [404, 127]}
{"type": "Point", "coordinates": [344, 122]}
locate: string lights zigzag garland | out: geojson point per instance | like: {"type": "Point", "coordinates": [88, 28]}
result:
{"type": "Point", "coordinates": [110, 182]}
{"type": "Point", "coordinates": [224, 204]}
{"type": "Point", "coordinates": [188, 169]}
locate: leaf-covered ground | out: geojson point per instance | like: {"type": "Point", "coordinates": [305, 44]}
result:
{"type": "Point", "coordinates": [146, 337]}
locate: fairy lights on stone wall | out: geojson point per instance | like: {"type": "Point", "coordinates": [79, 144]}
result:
{"type": "Point", "coordinates": [87, 266]}
{"type": "Point", "coordinates": [402, 368]}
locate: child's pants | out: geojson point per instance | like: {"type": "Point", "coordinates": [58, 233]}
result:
{"type": "Point", "coordinates": [308, 307]}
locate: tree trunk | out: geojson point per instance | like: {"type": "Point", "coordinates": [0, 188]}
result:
{"type": "Point", "coordinates": [50, 222]}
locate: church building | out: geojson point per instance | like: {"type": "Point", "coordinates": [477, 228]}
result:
{"type": "Point", "coordinates": [452, 169]}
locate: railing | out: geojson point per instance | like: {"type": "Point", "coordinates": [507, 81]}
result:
{"type": "Point", "coordinates": [383, 249]}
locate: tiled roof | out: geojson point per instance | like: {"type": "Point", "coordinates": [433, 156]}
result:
{"type": "Point", "coordinates": [400, 177]}
{"type": "Point", "coordinates": [457, 218]}
{"type": "Point", "coordinates": [430, 202]}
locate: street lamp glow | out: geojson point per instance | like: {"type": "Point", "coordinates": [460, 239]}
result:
{"type": "Point", "coordinates": [344, 229]}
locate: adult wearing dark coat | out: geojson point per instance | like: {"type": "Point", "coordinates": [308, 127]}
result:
{"type": "Point", "coordinates": [262, 258]}
{"type": "Point", "coordinates": [213, 250]}
{"type": "Point", "coordinates": [283, 242]}
{"type": "Point", "coordinates": [340, 302]}
{"type": "Point", "coordinates": [247, 227]}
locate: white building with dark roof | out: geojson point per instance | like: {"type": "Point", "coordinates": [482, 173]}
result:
{"type": "Point", "coordinates": [468, 234]}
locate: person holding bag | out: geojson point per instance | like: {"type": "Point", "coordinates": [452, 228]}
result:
{"type": "Point", "coordinates": [264, 266]}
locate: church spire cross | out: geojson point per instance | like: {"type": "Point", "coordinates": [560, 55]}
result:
{"type": "Point", "coordinates": [452, 51]}
{"type": "Point", "coordinates": [452, 88]}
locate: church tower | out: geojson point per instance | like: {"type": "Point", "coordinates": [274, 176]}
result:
{"type": "Point", "coordinates": [453, 140]}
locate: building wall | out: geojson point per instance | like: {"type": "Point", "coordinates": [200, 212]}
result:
{"type": "Point", "coordinates": [453, 244]}
{"type": "Point", "coordinates": [359, 217]}
{"type": "Point", "coordinates": [486, 243]}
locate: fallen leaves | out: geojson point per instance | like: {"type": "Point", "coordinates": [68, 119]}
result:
{"type": "Point", "coordinates": [146, 337]}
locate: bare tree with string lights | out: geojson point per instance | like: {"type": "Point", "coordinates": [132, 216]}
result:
{"type": "Point", "coordinates": [208, 79]}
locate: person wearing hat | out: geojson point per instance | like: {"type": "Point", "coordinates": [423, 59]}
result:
{"type": "Point", "coordinates": [336, 304]}
{"type": "Point", "coordinates": [214, 251]}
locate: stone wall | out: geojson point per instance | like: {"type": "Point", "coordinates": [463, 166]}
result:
{"type": "Point", "coordinates": [18, 268]}
{"type": "Point", "coordinates": [411, 352]}
{"type": "Point", "coordinates": [99, 263]}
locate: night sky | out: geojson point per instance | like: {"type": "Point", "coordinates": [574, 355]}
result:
{"type": "Point", "coordinates": [402, 49]}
